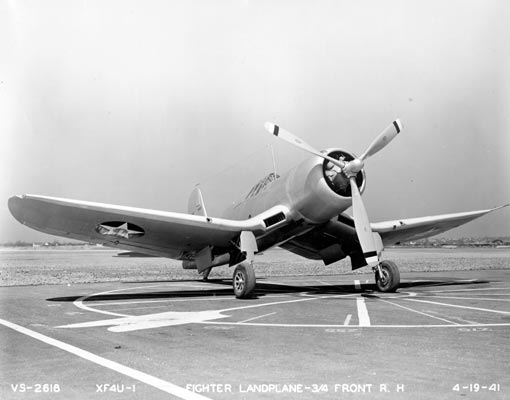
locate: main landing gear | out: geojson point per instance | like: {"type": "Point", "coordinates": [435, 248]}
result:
{"type": "Point", "coordinates": [387, 276]}
{"type": "Point", "coordinates": [244, 280]}
{"type": "Point", "coordinates": [205, 274]}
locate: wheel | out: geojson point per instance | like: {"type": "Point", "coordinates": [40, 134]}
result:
{"type": "Point", "coordinates": [391, 277]}
{"type": "Point", "coordinates": [244, 281]}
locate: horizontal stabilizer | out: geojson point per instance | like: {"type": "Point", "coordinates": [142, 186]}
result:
{"type": "Point", "coordinates": [133, 254]}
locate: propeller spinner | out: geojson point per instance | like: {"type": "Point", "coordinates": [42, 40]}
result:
{"type": "Point", "coordinates": [350, 169]}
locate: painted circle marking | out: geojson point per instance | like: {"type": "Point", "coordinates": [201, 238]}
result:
{"type": "Point", "coordinates": [310, 297]}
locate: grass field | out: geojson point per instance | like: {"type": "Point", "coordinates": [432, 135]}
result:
{"type": "Point", "coordinates": [84, 265]}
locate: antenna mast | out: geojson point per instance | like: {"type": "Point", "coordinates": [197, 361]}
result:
{"type": "Point", "coordinates": [274, 161]}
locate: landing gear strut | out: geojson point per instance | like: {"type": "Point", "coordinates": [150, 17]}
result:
{"type": "Point", "coordinates": [244, 281]}
{"type": "Point", "coordinates": [205, 274]}
{"type": "Point", "coordinates": [387, 276]}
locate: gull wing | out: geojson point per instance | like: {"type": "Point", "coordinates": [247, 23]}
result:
{"type": "Point", "coordinates": [404, 230]}
{"type": "Point", "coordinates": [152, 232]}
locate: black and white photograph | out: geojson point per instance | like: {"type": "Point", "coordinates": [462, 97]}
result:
{"type": "Point", "coordinates": [241, 199]}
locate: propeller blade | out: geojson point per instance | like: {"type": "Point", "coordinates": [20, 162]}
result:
{"type": "Point", "coordinates": [383, 139]}
{"type": "Point", "coordinates": [294, 140]}
{"type": "Point", "coordinates": [362, 225]}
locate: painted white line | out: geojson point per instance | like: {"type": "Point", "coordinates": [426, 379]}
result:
{"type": "Point", "coordinates": [148, 321]}
{"type": "Point", "coordinates": [121, 303]}
{"type": "Point", "coordinates": [357, 284]}
{"type": "Point", "coordinates": [79, 303]}
{"type": "Point", "coordinates": [364, 319]}
{"type": "Point", "coordinates": [465, 290]}
{"type": "Point", "coordinates": [276, 283]}
{"type": "Point", "coordinates": [286, 302]}
{"type": "Point", "coordinates": [209, 298]}
{"type": "Point", "coordinates": [419, 312]}
{"type": "Point", "coordinates": [465, 320]}
{"type": "Point", "coordinates": [487, 294]}
{"type": "Point", "coordinates": [272, 290]}
{"type": "Point", "coordinates": [327, 283]}
{"type": "Point", "coordinates": [199, 285]}
{"type": "Point", "coordinates": [312, 284]}
{"type": "Point", "coordinates": [347, 319]}
{"type": "Point", "coordinates": [322, 326]}
{"type": "Point", "coordinates": [254, 318]}
{"type": "Point", "coordinates": [457, 306]}
{"type": "Point", "coordinates": [343, 279]}
{"type": "Point", "coordinates": [122, 369]}
{"type": "Point", "coordinates": [139, 308]}
{"type": "Point", "coordinates": [469, 298]}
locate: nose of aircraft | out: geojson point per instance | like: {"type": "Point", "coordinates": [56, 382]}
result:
{"type": "Point", "coordinates": [350, 170]}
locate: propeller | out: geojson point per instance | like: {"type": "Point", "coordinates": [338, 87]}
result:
{"type": "Point", "coordinates": [350, 169]}
{"type": "Point", "coordinates": [386, 136]}
{"type": "Point", "coordinates": [293, 139]}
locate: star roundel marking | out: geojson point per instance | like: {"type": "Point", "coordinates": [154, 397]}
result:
{"type": "Point", "coordinates": [121, 229]}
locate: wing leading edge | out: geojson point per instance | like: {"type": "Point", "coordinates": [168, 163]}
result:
{"type": "Point", "coordinates": [337, 239]}
{"type": "Point", "coordinates": [167, 234]}
{"type": "Point", "coordinates": [153, 232]}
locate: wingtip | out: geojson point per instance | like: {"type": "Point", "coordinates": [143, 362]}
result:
{"type": "Point", "coordinates": [15, 207]}
{"type": "Point", "coordinates": [272, 128]}
{"type": "Point", "coordinates": [398, 125]}
{"type": "Point", "coordinates": [15, 198]}
{"type": "Point", "coordinates": [496, 208]}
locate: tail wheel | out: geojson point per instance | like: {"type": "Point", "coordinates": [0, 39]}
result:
{"type": "Point", "coordinates": [390, 278]}
{"type": "Point", "coordinates": [244, 281]}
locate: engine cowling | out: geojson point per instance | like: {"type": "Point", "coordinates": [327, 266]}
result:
{"type": "Point", "coordinates": [318, 190]}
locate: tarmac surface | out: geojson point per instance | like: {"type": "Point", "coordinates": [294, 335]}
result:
{"type": "Point", "coordinates": [442, 335]}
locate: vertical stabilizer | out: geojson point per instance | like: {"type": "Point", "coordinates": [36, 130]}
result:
{"type": "Point", "coordinates": [196, 204]}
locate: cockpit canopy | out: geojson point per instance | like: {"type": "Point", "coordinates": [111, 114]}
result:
{"type": "Point", "coordinates": [262, 184]}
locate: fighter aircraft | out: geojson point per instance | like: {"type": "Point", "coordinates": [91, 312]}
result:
{"type": "Point", "coordinates": [302, 211]}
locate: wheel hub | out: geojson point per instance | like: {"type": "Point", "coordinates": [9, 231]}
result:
{"type": "Point", "coordinates": [387, 276]}
{"type": "Point", "coordinates": [239, 281]}
{"type": "Point", "coordinates": [384, 277]}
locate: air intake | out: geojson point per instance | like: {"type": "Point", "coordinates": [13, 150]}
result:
{"type": "Point", "coordinates": [274, 219]}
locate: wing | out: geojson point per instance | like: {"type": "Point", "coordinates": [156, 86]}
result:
{"type": "Point", "coordinates": [337, 238]}
{"type": "Point", "coordinates": [151, 232]}
{"type": "Point", "coordinates": [403, 230]}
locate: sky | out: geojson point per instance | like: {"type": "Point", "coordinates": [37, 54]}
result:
{"type": "Point", "coordinates": [135, 102]}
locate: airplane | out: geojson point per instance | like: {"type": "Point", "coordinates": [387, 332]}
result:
{"type": "Point", "coordinates": [302, 211]}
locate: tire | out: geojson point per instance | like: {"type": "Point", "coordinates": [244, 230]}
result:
{"type": "Point", "coordinates": [244, 281]}
{"type": "Point", "coordinates": [391, 275]}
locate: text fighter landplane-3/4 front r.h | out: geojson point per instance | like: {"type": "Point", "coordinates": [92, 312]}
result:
{"type": "Point", "coordinates": [301, 211]}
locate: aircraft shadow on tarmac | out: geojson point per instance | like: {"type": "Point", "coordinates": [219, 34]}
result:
{"type": "Point", "coordinates": [262, 290]}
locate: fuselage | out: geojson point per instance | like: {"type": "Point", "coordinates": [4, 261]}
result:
{"type": "Point", "coordinates": [312, 193]}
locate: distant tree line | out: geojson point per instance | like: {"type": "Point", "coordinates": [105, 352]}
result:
{"type": "Point", "coordinates": [462, 242]}
{"type": "Point", "coordinates": [55, 243]}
